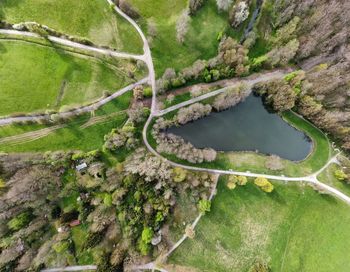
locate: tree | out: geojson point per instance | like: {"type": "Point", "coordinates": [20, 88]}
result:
{"type": "Point", "coordinates": [264, 184]}
{"type": "Point", "coordinates": [242, 180]}
{"type": "Point", "coordinates": [147, 92]}
{"type": "Point", "coordinates": [19, 221]}
{"type": "Point", "coordinates": [182, 26]}
{"type": "Point", "coordinates": [179, 174]}
{"type": "Point", "coordinates": [144, 242]}
{"type": "Point", "coordinates": [239, 14]}
{"type": "Point", "coordinates": [230, 97]}
{"type": "Point", "coordinates": [192, 113]}
{"type": "Point", "coordinates": [340, 175]}
{"type": "Point", "coordinates": [138, 92]}
{"type": "Point", "coordinates": [223, 5]}
{"type": "Point", "coordinates": [274, 162]}
{"type": "Point", "coordinates": [232, 181]}
{"type": "Point", "coordinates": [195, 5]}
{"type": "Point", "coordinates": [204, 206]}
{"type": "Point", "coordinates": [2, 183]}
{"type": "Point", "coordinates": [137, 113]}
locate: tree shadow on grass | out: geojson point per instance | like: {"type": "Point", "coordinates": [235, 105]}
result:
{"type": "Point", "coordinates": [276, 196]}
{"type": "Point", "coordinates": [329, 198]}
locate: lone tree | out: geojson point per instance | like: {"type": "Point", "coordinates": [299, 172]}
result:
{"type": "Point", "coordinates": [195, 5]}
{"type": "Point", "coordinates": [223, 4]}
{"type": "Point", "coordinates": [182, 26]}
{"type": "Point", "coordinates": [264, 184]}
{"type": "Point", "coordinates": [204, 206]}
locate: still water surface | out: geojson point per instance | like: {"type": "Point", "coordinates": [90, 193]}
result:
{"type": "Point", "coordinates": [247, 127]}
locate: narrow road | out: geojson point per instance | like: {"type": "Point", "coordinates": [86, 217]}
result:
{"type": "Point", "coordinates": [248, 81]}
{"type": "Point", "coordinates": [73, 44]}
{"type": "Point", "coordinates": [77, 111]}
{"type": "Point", "coordinates": [71, 268]}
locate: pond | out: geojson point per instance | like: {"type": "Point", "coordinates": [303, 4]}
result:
{"type": "Point", "coordinates": [247, 127]}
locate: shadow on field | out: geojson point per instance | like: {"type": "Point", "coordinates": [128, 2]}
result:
{"type": "Point", "coordinates": [329, 198]}
{"type": "Point", "coordinates": [276, 196]}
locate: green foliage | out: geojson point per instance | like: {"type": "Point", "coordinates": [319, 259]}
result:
{"type": "Point", "coordinates": [144, 242]}
{"type": "Point", "coordinates": [147, 235]}
{"type": "Point", "coordinates": [287, 32]}
{"type": "Point", "coordinates": [232, 181]}
{"type": "Point", "coordinates": [107, 200]}
{"type": "Point", "coordinates": [204, 206]}
{"type": "Point", "coordinates": [144, 248]}
{"type": "Point", "coordinates": [179, 174]}
{"type": "Point", "coordinates": [340, 175]}
{"type": "Point", "coordinates": [159, 217]}
{"type": "Point", "coordinates": [220, 35]}
{"type": "Point", "coordinates": [264, 184]}
{"type": "Point", "coordinates": [215, 74]}
{"type": "Point", "coordinates": [6, 242]}
{"type": "Point", "coordinates": [61, 247]}
{"type": "Point", "coordinates": [242, 180]}
{"type": "Point", "coordinates": [2, 183]}
{"type": "Point", "coordinates": [289, 77]}
{"type": "Point", "coordinates": [258, 62]}
{"type": "Point", "coordinates": [19, 221]}
{"type": "Point", "coordinates": [147, 92]}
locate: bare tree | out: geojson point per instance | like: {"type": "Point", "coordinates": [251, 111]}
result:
{"type": "Point", "coordinates": [182, 26]}
{"type": "Point", "coordinates": [223, 4]}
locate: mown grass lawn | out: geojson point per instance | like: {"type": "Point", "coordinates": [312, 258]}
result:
{"type": "Point", "coordinates": [92, 19]}
{"type": "Point", "coordinates": [293, 229]}
{"type": "Point", "coordinates": [37, 78]}
{"type": "Point", "coordinates": [201, 40]}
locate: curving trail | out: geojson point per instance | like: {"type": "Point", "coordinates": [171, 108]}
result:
{"type": "Point", "coordinates": [77, 111]}
{"type": "Point", "coordinates": [249, 82]}
{"type": "Point", "coordinates": [69, 43]}
{"type": "Point", "coordinates": [72, 268]}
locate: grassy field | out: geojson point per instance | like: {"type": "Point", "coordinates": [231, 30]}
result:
{"type": "Point", "coordinates": [201, 40]}
{"type": "Point", "coordinates": [292, 229]}
{"type": "Point", "coordinates": [73, 136]}
{"type": "Point", "coordinates": [92, 19]}
{"type": "Point", "coordinates": [38, 78]}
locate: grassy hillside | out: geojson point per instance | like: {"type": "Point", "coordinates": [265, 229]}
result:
{"type": "Point", "coordinates": [92, 19]}
{"type": "Point", "coordinates": [37, 78]}
{"type": "Point", "coordinates": [293, 229]}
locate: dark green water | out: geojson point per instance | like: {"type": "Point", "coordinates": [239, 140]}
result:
{"type": "Point", "coordinates": [247, 127]}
